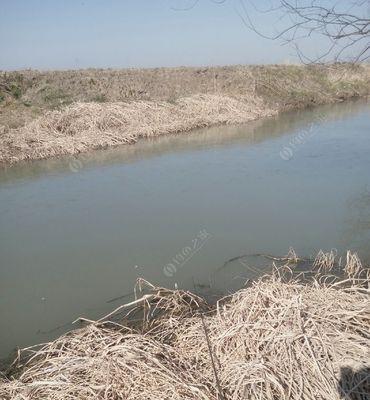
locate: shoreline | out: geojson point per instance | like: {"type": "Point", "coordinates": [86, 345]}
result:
{"type": "Point", "coordinates": [242, 94]}
{"type": "Point", "coordinates": [282, 336]}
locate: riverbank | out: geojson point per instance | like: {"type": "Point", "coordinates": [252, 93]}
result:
{"type": "Point", "coordinates": [284, 336]}
{"type": "Point", "coordinates": [47, 114]}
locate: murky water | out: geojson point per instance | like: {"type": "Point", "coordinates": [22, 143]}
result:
{"type": "Point", "coordinates": [77, 232]}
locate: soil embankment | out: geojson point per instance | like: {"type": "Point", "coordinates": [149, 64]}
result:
{"type": "Point", "coordinates": [46, 114]}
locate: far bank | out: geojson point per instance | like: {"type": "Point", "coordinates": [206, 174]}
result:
{"type": "Point", "coordinates": [54, 113]}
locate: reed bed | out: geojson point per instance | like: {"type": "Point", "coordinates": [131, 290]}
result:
{"type": "Point", "coordinates": [282, 337]}
{"type": "Point", "coordinates": [56, 113]}
{"type": "Point", "coordinates": [85, 126]}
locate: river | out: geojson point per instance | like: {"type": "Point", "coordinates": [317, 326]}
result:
{"type": "Point", "coordinates": [77, 232]}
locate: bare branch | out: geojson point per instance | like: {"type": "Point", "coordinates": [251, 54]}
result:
{"type": "Point", "coordinates": [346, 28]}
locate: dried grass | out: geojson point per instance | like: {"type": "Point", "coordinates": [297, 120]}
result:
{"type": "Point", "coordinates": [85, 126]}
{"type": "Point", "coordinates": [94, 109]}
{"type": "Point", "coordinates": [277, 339]}
{"type": "Point", "coordinates": [325, 262]}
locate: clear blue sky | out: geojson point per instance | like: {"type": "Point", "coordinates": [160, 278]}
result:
{"type": "Point", "coordinates": [61, 34]}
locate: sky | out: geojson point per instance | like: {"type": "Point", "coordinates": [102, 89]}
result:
{"type": "Point", "coordinates": [71, 34]}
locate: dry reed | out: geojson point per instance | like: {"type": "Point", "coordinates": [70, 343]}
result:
{"type": "Point", "coordinates": [85, 126]}
{"type": "Point", "coordinates": [85, 110]}
{"type": "Point", "coordinates": [276, 339]}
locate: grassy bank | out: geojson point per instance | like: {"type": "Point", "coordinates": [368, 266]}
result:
{"type": "Point", "coordinates": [45, 114]}
{"type": "Point", "coordinates": [279, 338]}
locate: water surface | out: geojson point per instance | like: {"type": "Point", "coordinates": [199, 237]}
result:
{"type": "Point", "coordinates": [77, 232]}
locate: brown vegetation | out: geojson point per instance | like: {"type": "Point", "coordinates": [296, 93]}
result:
{"type": "Point", "coordinates": [85, 126]}
{"type": "Point", "coordinates": [279, 338]}
{"type": "Point", "coordinates": [45, 114]}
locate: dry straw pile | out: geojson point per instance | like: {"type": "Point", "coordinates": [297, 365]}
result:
{"type": "Point", "coordinates": [84, 126]}
{"type": "Point", "coordinates": [280, 338]}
